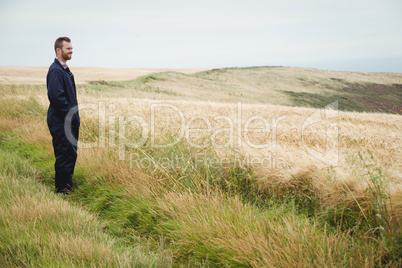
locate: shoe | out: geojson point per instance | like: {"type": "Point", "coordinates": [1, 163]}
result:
{"type": "Point", "coordinates": [64, 191]}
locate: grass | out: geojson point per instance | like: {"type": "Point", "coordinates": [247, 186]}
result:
{"type": "Point", "coordinates": [141, 84]}
{"type": "Point", "coordinates": [354, 98]}
{"type": "Point", "coordinates": [315, 92]}
{"type": "Point", "coordinates": [173, 207]}
{"type": "Point", "coordinates": [186, 219]}
{"type": "Point", "coordinates": [38, 228]}
{"type": "Point", "coordinates": [231, 233]}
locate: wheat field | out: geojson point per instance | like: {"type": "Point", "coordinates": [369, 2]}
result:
{"type": "Point", "coordinates": [286, 145]}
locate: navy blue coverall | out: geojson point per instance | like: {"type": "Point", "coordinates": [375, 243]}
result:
{"type": "Point", "coordinates": [63, 121]}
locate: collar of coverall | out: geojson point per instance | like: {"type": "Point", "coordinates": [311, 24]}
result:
{"type": "Point", "coordinates": [65, 66]}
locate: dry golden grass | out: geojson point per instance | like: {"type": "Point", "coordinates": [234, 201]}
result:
{"type": "Point", "coordinates": [357, 132]}
{"type": "Point", "coordinates": [103, 164]}
{"type": "Point", "coordinates": [232, 231]}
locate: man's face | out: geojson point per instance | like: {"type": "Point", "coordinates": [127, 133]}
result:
{"type": "Point", "coordinates": [66, 51]}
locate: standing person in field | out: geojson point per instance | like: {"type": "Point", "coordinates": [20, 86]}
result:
{"type": "Point", "coordinates": [62, 117]}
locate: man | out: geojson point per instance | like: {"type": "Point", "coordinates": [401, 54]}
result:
{"type": "Point", "coordinates": [62, 117]}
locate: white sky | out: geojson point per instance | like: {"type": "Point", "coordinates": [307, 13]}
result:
{"type": "Point", "coordinates": [347, 35]}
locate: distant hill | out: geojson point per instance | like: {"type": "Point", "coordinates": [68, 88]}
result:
{"type": "Point", "coordinates": [361, 92]}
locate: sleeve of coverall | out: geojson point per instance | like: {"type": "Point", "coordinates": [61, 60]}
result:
{"type": "Point", "coordinates": [55, 92]}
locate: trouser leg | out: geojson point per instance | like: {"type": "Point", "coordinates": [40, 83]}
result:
{"type": "Point", "coordinates": [66, 157]}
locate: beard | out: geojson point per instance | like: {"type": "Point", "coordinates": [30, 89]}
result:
{"type": "Point", "coordinates": [66, 56]}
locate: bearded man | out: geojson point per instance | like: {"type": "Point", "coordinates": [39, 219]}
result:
{"type": "Point", "coordinates": [62, 117]}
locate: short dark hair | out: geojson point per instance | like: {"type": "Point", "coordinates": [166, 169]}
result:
{"type": "Point", "coordinates": [59, 42]}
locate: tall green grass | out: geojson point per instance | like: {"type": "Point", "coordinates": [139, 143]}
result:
{"type": "Point", "coordinates": [40, 229]}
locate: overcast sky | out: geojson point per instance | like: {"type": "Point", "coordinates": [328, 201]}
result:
{"type": "Point", "coordinates": [358, 35]}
